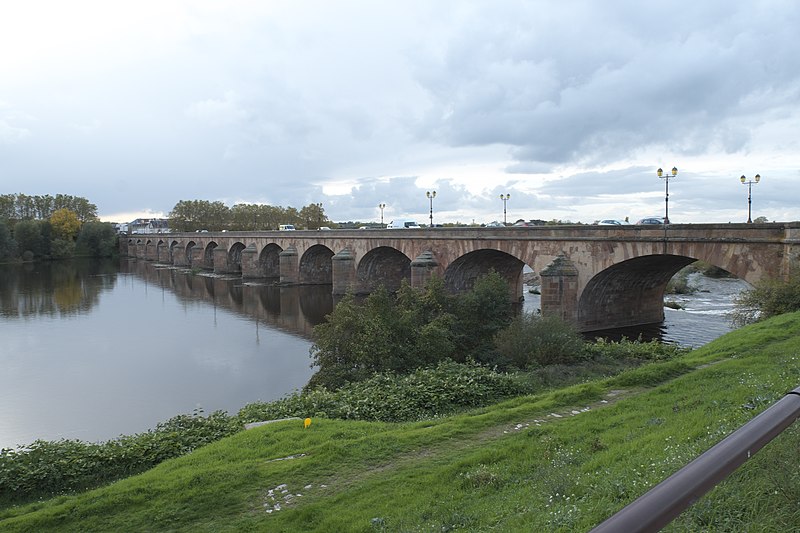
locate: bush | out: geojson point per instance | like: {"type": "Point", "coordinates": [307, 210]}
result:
{"type": "Point", "coordinates": [425, 393]}
{"type": "Point", "coordinates": [533, 340]}
{"type": "Point", "coordinates": [768, 298]}
{"type": "Point", "coordinates": [415, 329]}
{"type": "Point", "coordinates": [45, 468]}
{"type": "Point", "coordinates": [637, 349]}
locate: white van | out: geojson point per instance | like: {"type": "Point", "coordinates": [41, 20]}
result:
{"type": "Point", "coordinates": [286, 227]}
{"type": "Point", "coordinates": [403, 223]}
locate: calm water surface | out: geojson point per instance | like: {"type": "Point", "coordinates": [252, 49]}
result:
{"type": "Point", "coordinates": [93, 350]}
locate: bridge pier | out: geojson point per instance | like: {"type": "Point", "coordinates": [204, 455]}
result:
{"type": "Point", "coordinates": [222, 264]}
{"type": "Point", "coordinates": [343, 272]}
{"type": "Point", "coordinates": [289, 265]}
{"type": "Point", "coordinates": [422, 268]}
{"type": "Point", "coordinates": [196, 260]}
{"type": "Point", "coordinates": [250, 265]}
{"type": "Point", "coordinates": [179, 256]}
{"type": "Point", "coordinates": [560, 290]}
{"type": "Point", "coordinates": [162, 253]}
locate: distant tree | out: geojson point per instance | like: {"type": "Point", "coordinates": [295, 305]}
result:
{"type": "Point", "coordinates": [65, 224]}
{"type": "Point", "coordinates": [96, 239]}
{"type": "Point", "coordinates": [7, 207]}
{"type": "Point", "coordinates": [8, 247]}
{"type": "Point", "coordinates": [313, 216]}
{"type": "Point", "coordinates": [192, 215]}
{"type": "Point", "coordinates": [761, 220]}
{"type": "Point", "coordinates": [33, 238]}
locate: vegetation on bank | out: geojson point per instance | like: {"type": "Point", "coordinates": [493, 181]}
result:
{"type": "Point", "coordinates": [46, 227]}
{"type": "Point", "coordinates": [560, 460]}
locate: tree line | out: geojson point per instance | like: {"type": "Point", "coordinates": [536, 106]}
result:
{"type": "Point", "coordinates": [52, 227]}
{"type": "Point", "coordinates": [193, 215]}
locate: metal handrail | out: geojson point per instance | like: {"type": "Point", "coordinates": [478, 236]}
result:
{"type": "Point", "coordinates": [661, 504]}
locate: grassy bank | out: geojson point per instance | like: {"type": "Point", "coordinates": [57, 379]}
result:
{"type": "Point", "coordinates": [560, 461]}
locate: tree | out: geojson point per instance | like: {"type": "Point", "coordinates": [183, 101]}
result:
{"type": "Point", "coordinates": [8, 247]}
{"type": "Point", "coordinates": [192, 215]}
{"type": "Point", "coordinates": [481, 314]}
{"type": "Point", "coordinates": [65, 224]}
{"type": "Point", "coordinates": [417, 328]}
{"type": "Point", "coordinates": [96, 239]}
{"type": "Point", "coordinates": [33, 238]}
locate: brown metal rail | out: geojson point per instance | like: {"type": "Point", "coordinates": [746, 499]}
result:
{"type": "Point", "coordinates": [661, 504]}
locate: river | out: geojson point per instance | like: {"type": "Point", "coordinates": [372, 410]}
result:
{"type": "Point", "coordinates": [92, 350]}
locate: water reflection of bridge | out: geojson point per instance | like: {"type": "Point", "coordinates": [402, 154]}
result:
{"type": "Point", "coordinates": [294, 309]}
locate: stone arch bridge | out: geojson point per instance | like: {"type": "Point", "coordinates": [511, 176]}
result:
{"type": "Point", "coordinates": [598, 277]}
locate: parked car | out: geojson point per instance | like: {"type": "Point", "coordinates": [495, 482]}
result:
{"type": "Point", "coordinates": [613, 222]}
{"type": "Point", "coordinates": [651, 220]}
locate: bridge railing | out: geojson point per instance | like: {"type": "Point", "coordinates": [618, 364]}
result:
{"type": "Point", "coordinates": [661, 504]}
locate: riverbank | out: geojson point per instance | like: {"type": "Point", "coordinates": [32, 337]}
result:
{"type": "Point", "coordinates": [557, 461]}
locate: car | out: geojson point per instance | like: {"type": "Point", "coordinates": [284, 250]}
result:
{"type": "Point", "coordinates": [286, 227]}
{"type": "Point", "coordinates": [403, 224]}
{"type": "Point", "coordinates": [651, 220]}
{"type": "Point", "coordinates": [495, 224]}
{"type": "Point", "coordinates": [324, 228]}
{"type": "Point", "coordinates": [613, 222]}
{"type": "Point", "coordinates": [363, 227]}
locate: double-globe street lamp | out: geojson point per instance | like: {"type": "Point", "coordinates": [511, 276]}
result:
{"type": "Point", "coordinates": [382, 206]}
{"type": "Point", "coordinates": [749, 184]}
{"type": "Point", "coordinates": [666, 177]}
{"type": "Point", "coordinates": [431, 195]}
{"type": "Point", "coordinates": [505, 198]}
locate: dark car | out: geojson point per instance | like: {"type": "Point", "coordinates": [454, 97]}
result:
{"type": "Point", "coordinates": [651, 220]}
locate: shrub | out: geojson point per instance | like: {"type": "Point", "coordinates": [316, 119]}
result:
{"type": "Point", "coordinates": [633, 349]}
{"type": "Point", "coordinates": [768, 298]}
{"type": "Point", "coordinates": [533, 340]}
{"type": "Point", "coordinates": [415, 329]}
{"type": "Point", "coordinates": [44, 468]}
{"type": "Point", "coordinates": [425, 393]}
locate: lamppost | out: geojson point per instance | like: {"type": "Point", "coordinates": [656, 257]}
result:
{"type": "Point", "coordinates": [319, 215]}
{"type": "Point", "coordinates": [505, 199]}
{"type": "Point", "coordinates": [382, 206]}
{"type": "Point", "coordinates": [666, 198]}
{"type": "Point", "coordinates": [431, 196]}
{"type": "Point", "coordinates": [749, 184]}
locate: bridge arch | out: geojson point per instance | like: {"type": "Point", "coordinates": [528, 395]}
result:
{"type": "Point", "coordinates": [316, 265]}
{"type": "Point", "coordinates": [190, 246]}
{"type": "Point", "coordinates": [269, 261]}
{"type": "Point", "coordinates": [628, 293]}
{"type": "Point", "coordinates": [235, 257]}
{"type": "Point", "coordinates": [208, 256]}
{"type": "Point", "coordinates": [461, 274]}
{"type": "Point", "coordinates": [385, 266]}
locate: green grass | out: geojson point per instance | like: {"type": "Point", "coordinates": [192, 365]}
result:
{"type": "Point", "coordinates": [509, 467]}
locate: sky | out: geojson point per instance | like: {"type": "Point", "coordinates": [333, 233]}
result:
{"type": "Point", "coordinates": [568, 106]}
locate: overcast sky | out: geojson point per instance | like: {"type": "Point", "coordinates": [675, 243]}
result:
{"type": "Point", "coordinates": [569, 106]}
